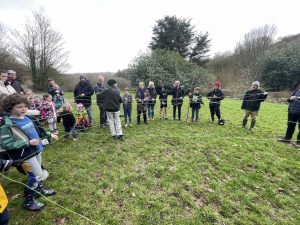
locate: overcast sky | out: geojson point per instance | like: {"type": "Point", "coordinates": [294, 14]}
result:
{"type": "Point", "coordinates": [105, 35]}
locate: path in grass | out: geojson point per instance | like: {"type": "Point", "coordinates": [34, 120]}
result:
{"type": "Point", "coordinates": [173, 173]}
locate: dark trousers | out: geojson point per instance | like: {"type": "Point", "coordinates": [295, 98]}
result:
{"type": "Point", "coordinates": [215, 109]}
{"type": "Point", "coordinates": [195, 113]}
{"type": "Point", "coordinates": [4, 216]}
{"type": "Point", "coordinates": [127, 114]}
{"type": "Point", "coordinates": [69, 130]}
{"type": "Point", "coordinates": [103, 117]}
{"type": "Point", "coordinates": [179, 111]}
{"type": "Point", "coordinates": [139, 116]}
{"type": "Point", "coordinates": [293, 119]}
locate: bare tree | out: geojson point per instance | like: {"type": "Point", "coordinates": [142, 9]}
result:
{"type": "Point", "coordinates": [40, 48]}
{"type": "Point", "coordinates": [252, 46]}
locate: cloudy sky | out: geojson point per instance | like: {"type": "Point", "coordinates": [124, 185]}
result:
{"type": "Point", "coordinates": [105, 35]}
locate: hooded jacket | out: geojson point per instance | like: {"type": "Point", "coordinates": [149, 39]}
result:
{"type": "Point", "coordinates": [252, 99]}
{"type": "Point", "coordinates": [294, 106]}
{"type": "Point", "coordinates": [215, 100]}
{"type": "Point", "coordinates": [112, 99]}
{"type": "Point", "coordinates": [15, 143]}
{"type": "Point", "coordinates": [84, 87]}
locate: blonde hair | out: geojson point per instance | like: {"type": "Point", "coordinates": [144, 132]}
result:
{"type": "Point", "coordinates": [151, 84]}
{"type": "Point", "coordinates": [67, 107]}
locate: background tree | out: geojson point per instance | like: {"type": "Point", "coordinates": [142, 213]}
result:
{"type": "Point", "coordinates": [164, 67]}
{"type": "Point", "coordinates": [174, 34]}
{"type": "Point", "coordinates": [40, 48]}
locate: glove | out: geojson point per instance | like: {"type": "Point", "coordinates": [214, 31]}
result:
{"type": "Point", "coordinates": [17, 163]}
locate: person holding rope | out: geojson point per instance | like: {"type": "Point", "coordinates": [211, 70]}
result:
{"type": "Point", "coordinates": [163, 97]}
{"type": "Point", "coordinates": [177, 99]}
{"type": "Point", "coordinates": [22, 140]}
{"type": "Point", "coordinates": [251, 103]}
{"type": "Point", "coordinates": [99, 88]}
{"type": "Point", "coordinates": [12, 79]}
{"type": "Point", "coordinates": [142, 97]}
{"type": "Point", "coordinates": [293, 117]}
{"type": "Point", "coordinates": [215, 96]}
{"type": "Point", "coordinates": [152, 100]}
{"type": "Point", "coordinates": [195, 104]}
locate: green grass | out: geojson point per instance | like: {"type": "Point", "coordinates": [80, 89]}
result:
{"type": "Point", "coordinates": [172, 173]}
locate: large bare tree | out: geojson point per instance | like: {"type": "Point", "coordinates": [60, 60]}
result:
{"type": "Point", "coordinates": [40, 48]}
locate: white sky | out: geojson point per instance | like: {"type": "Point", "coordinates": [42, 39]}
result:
{"type": "Point", "coordinates": [105, 35]}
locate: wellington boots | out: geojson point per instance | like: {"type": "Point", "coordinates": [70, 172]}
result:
{"type": "Point", "coordinates": [45, 192]}
{"type": "Point", "coordinates": [252, 124]}
{"type": "Point", "coordinates": [31, 204]}
{"type": "Point", "coordinates": [244, 123]}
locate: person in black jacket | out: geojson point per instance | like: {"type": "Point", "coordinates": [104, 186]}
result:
{"type": "Point", "coordinates": [112, 102]}
{"type": "Point", "coordinates": [82, 94]}
{"type": "Point", "coordinates": [177, 99]}
{"type": "Point", "coordinates": [215, 96]}
{"type": "Point", "coordinates": [69, 121]}
{"type": "Point", "coordinates": [293, 117]}
{"type": "Point", "coordinates": [152, 100]}
{"type": "Point", "coordinates": [163, 97]}
{"type": "Point", "coordinates": [142, 97]}
{"type": "Point", "coordinates": [251, 103]}
{"type": "Point", "coordinates": [99, 88]}
{"type": "Point", "coordinates": [12, 79]}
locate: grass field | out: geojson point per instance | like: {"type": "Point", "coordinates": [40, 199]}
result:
{"type": "Point", "coordinates": [172, 172]}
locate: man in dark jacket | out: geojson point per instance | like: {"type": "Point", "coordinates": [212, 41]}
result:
{"type": "Point", "coordinates": [293, 117]}
{"type": "Point", "coordinates": [99, 88]}
{"type": "Point", "coordinates": [82, 94]}
{"type": "Point", "coordinates": [251, 103]}
{"type": "Point", "coordinates": [215, 97]}
{"type": "Point", "coordinates": [112, 101]}
{"type": "Point", "coordinates": [177, 99]}
{"type": "Point", "coordinates": [12, 79]}
{"type": "Point", "coordinates": [142, 97]}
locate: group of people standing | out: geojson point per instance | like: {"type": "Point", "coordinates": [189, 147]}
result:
{"type": "Point", "coordinates": [22, 140]}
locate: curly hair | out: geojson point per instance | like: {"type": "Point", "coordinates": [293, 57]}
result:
{"type": "Point", "coordinates": [10, 101]}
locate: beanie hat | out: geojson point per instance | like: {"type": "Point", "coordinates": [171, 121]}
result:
{"type": "Point", "coordinates": [256, 83]}
{"type": "Point", "coordinates": [217, 84]}
{"type": "Point", "coordinates": [82, 76]}
{"type": "Point", "coordinates": [111, 82]}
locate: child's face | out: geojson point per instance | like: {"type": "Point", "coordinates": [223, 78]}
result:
{"type": "Point", "coordinates": [126, 92]}
{"type": "Point", "coordinates": [49, 98]}
{"type": "Point", "coordinates": [28, 94]}
{"type": "Point", "coordinates": [19, 110]}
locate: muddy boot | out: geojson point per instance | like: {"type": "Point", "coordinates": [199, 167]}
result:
{"type": "Point", "coordinates": [31, 204]}
{"type": "Point", "coordinates": [45, 192]}
{"type": "Point", "coordinates": [244, 123]}
{"type": "Point", "coordinates": [252, 124]}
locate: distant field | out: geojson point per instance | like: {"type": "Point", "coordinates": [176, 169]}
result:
{"type": "Point", "coordinates": [172, 172]}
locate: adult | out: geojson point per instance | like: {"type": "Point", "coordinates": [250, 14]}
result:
{"type": "Point", "coordinates": [12, 79]}
{"type": "Point", "coordinates": [215, 96]}
{"type": "Point", "coordinates": [83, 93]}
{"type": "Point", "coordinates": [293, 117]}
{"type": "Point", "coordinates": [177, 99]}
{"type": "Point", "coordinates": [152, 100]}
{"type": "Point", "coordinates": [251, 103]}
{"type": "Point", "coordinates": [5, 88]}
{"type": "Point", "coordinates": [99, 88]}
{"type": "Point", "coordinates": [54, 88]}
{"type": "Point", "coordinates": [141, 97]}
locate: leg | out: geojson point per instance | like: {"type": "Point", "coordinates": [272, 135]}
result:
{"type": "Point", "coordinates": [125, 115]}
{"type": "Point", "coordinates": [145, 117]}
{"type": "Point", "coordinates": [129, 115]}
{"type": "Point", "coordinates": [139, 117]}
{"type": "Point", "coordinates": [193, 113]}
{"type": "Point", "coordinates": [197, 114]}
{"type": "Point", "coordinates": [110, 120]}
{"type": "Point", "coordinates": [149, 109]}
{"type": "Point", "coordinates": [212, 112]}
{"type": "Point", "coordinates": [4, 217]}
{"type": "Point", "coordinates": [247, 114]}
{"type": "Point", "coordinates": [174, 112]}
{"type": "Point", "coordinates": [179, 111]}
{"type": "Point", "coordinates": [67, 131]}
{"type": "Point", "coordinates": [298, 136]}
{"type": "Point", "coordinates": [292, 121]}
{"type": "Point", "coordinates": [74, 133]}
{"type": "Point", "coordinates": [90, 115]}
{"type": "Point", "coordinates": [152, 113]}
{"type": "Point", "coordinates": [118, 125]}
{"type": "Point", "coordinates": [166, 110]}
{"type": "Point", "coordinates": [218, 112]}
{"type": "Point", "coordinates": [102, 115]}
{"type": "Point", "coordinates": [253, 120]}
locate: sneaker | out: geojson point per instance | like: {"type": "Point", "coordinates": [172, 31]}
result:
{"type": "Point", "coordinates": [55, 132]}
{"type": "Point", "coordinates": [114, 137]}
{"type": "Point", "coordinates": [160, 117]}
{"type": "Point", "coordinates": [33, 205]}
{"type": "Point", "coordinates": [103, 125]}
{"type": "Point", "coordinates": [125, 125]}
{"type": "Point", "coordinates": [283, 139]}
{"type": "Point", "coordinates": [75, 139]}
{"type": "Point", "coordinates": [130, 125]}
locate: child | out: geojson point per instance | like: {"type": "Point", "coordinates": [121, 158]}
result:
{"type": "Point", "coordinates": [163, 97]}
{"type": "Point", "coordinates": [24, 142]}
{"type": "Point", "coordinates": [58, 99]}
{"type": "Point", "coordinates": [127, 106]}
{"type": "Point", "coordinates": [49, 112]}
{"type": "Point", "coordinates": [215, 96]}
{"type": "Point", "coordinates": [112, 101]}
{"type": "Point", "coordinates": [195, 103]}
{"type": "Point", "coordinates": [251, 103]}
{"type": "Point", "coordinates": [82, 117]}
{"type": "Point", "coordinates": [69, 121]}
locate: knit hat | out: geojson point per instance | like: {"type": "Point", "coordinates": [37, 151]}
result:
{"type": "Point", "coordinates": [111, 82]}
{"type": "Point", "coordinates": [79, 106]}
{"type": "Point", "coordinates": [11, 71]}
{"type": "Point", "coordinates": [256, 83]}
{"type": "Point", "coordinates": [217, 84]}
{"type": "Point", "coordinates": [82, 76]}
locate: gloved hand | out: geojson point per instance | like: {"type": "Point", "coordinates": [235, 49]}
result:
{"type": "Point", "coordinates": [17, 163]}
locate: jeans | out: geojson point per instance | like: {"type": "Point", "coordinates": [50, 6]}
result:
{"type": "Point", "coordinates": [102, 114]}
{"type": "Point", "coordinates": [4, 217]}
{"type": "Point", "coordinates": [195, 110]}
{"type": "Point", "coordinates": [151, 107]}
{"type": "Point", "coordinates": [291, 125]}
{"type": "Point", "coordinates": [68, 130]}
{"type": "Point", "coordinates": [127, 114]}
{"type": "Point", "coordinates": [90, 114]}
